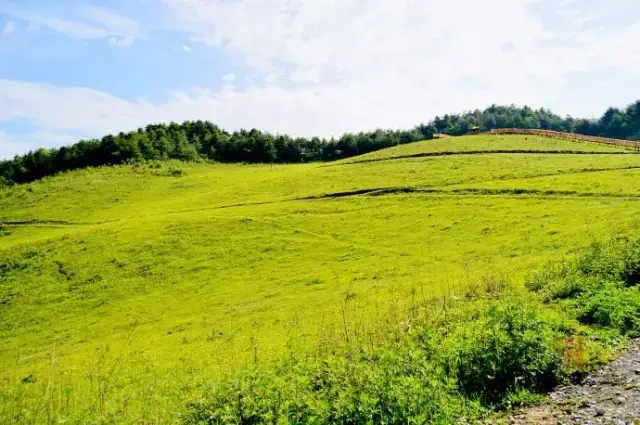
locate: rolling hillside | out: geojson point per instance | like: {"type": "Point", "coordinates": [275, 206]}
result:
{"type": "Point", "coordinates": [124, 290]}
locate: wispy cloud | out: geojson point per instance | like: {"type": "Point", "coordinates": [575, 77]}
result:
{"type": "Point", "coordinates": [112, 22]}
{"type": "Point", "coordinates": [86, 22]}
{"type": "Point", "coordinates": [122, 41]}
{"type": "Point", "coordinates": [9, 28]}
{"type": "Point", "coordinates": [66, 27]}
{"type": "Point", "coordinates": [9, 146]}
{"type": "Point", "coordinates": [5, 145]}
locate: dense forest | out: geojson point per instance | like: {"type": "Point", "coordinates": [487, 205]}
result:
{"type": "Point", "coordinates": [205, 140]}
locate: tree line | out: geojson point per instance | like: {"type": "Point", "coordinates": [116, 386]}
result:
{"type": "Point", "coordinates": [197, 140]}
{"type": "Point", "coordinates": [204, 140]}
{"type": "Point", "coordinates": [614, 123]}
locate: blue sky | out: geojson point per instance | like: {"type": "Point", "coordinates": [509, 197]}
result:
{"type": "Point", "coordinates": [84, 68]}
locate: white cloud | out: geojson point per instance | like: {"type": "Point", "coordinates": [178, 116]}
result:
{"type": "Point", "coordinates": [9, 28]}
{"type": "Point", "coordinates": [230, 77]}
{"type": "Point", "coordinates": [95, 113]}
{"type": "Point", "coordinates": [6, 148]}
{"type": "Point", "coordinates": [305, 76]}
{"type": "Point", "coordinates": [186, 48]}
{"type": "Point", "coordinates": [112, 22]}
{"type": "Point", "coordinates": [9, 147]}
{"type": "Point", "coordinates": [352, 37]}
{"type": "Point", "coordinates": [70, 28]}
{"type": "Point", "coordinates": [99, 111]}
{"type": "Point", "coordinates": [52, 138]}
{"type": "Point", "coordinates": [87, 22]}
{"type": "Point", "coordinates": [271, 78]}
{"type": "Point", "coordinates": [121, 42]}
{"type": "Point", "coordinates": [23, 143]}
{"type": "Point", "coordinates": [426, 48]}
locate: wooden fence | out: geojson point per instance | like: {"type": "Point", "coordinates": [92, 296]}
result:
{"type": "Point", "coordinates": [568, 136]}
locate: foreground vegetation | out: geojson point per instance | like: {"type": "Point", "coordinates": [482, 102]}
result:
{"type": "Point", "coordinates": [495, 349]}
{"type": "Point", "coordinates": [386, 291]}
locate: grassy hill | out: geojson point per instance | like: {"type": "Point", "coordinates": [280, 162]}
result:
{"type": "Point", "coordinates": [124, 290]}
{"type": "Point", "coordinates": [487, 144]}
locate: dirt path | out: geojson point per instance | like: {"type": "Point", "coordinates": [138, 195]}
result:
{"type": "Point", "coordinates": [610, 396]}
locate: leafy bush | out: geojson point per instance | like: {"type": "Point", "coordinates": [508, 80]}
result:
{"type": "Point", "coordinates": [570, 287]}
{"type": "Point", "coordinates": [630, 263]}
{"type": "Point", "coordinates": [600, 286]}
{"type": "Point", "coordinates": [616, 261]}
{"type": "Point", "coordinates": [611, 306]}
{"type": "Point", "coordinates": [391, 387]}
{"type": "Point", "coordinates": [175, 172]}
{"type": "Point", "coordinates": [431, 376]}
{"type": "Point", "coordinates": [510, 349]}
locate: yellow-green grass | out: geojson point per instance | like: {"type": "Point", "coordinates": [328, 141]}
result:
{"type": "Point", "coordinates": [487, 144]}
{"type": "Point", "coordinates": [126, 192]}
{"type": "Point", "coordinates": [602, 183]}
{"type": "Point", "coordinates": [123, 307]}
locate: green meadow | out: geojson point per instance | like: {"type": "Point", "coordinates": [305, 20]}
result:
{"type": "Point", "coordinates": [125, 290]}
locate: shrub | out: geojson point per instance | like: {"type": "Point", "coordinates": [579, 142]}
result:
{"type": "Point", "coordinates": [600, 286]}
{"type": "Point", "coordinates": [630, 263]}
{"type": "Point", "coordinates": [571, 286]}
{"type": "Point", "coordinates": [175, 172]}
{"type": "Point", "coordinates": [611, 306]}
{"type": "Point", "coordinates": [598, 264]}
{"type": "Point", "coordinates": [510, 349]}
{"type": "Point", "coordinates": [392, 387]}
{"type": "Point", "coordinates": [616, 261]}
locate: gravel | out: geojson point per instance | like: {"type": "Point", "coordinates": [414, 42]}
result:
{"type": "Point", "coordinates": [609, 396]}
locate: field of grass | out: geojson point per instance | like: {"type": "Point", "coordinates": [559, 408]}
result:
{"type": "Point", "coordinates": [597, 183]}
{"type": "Point", "coordinates": [123, 290]}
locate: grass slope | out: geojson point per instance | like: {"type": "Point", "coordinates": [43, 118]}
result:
{"type": "Point", "coordinates": [492, 143]}
{"type": "Point", "coordinates": [125, 288]}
